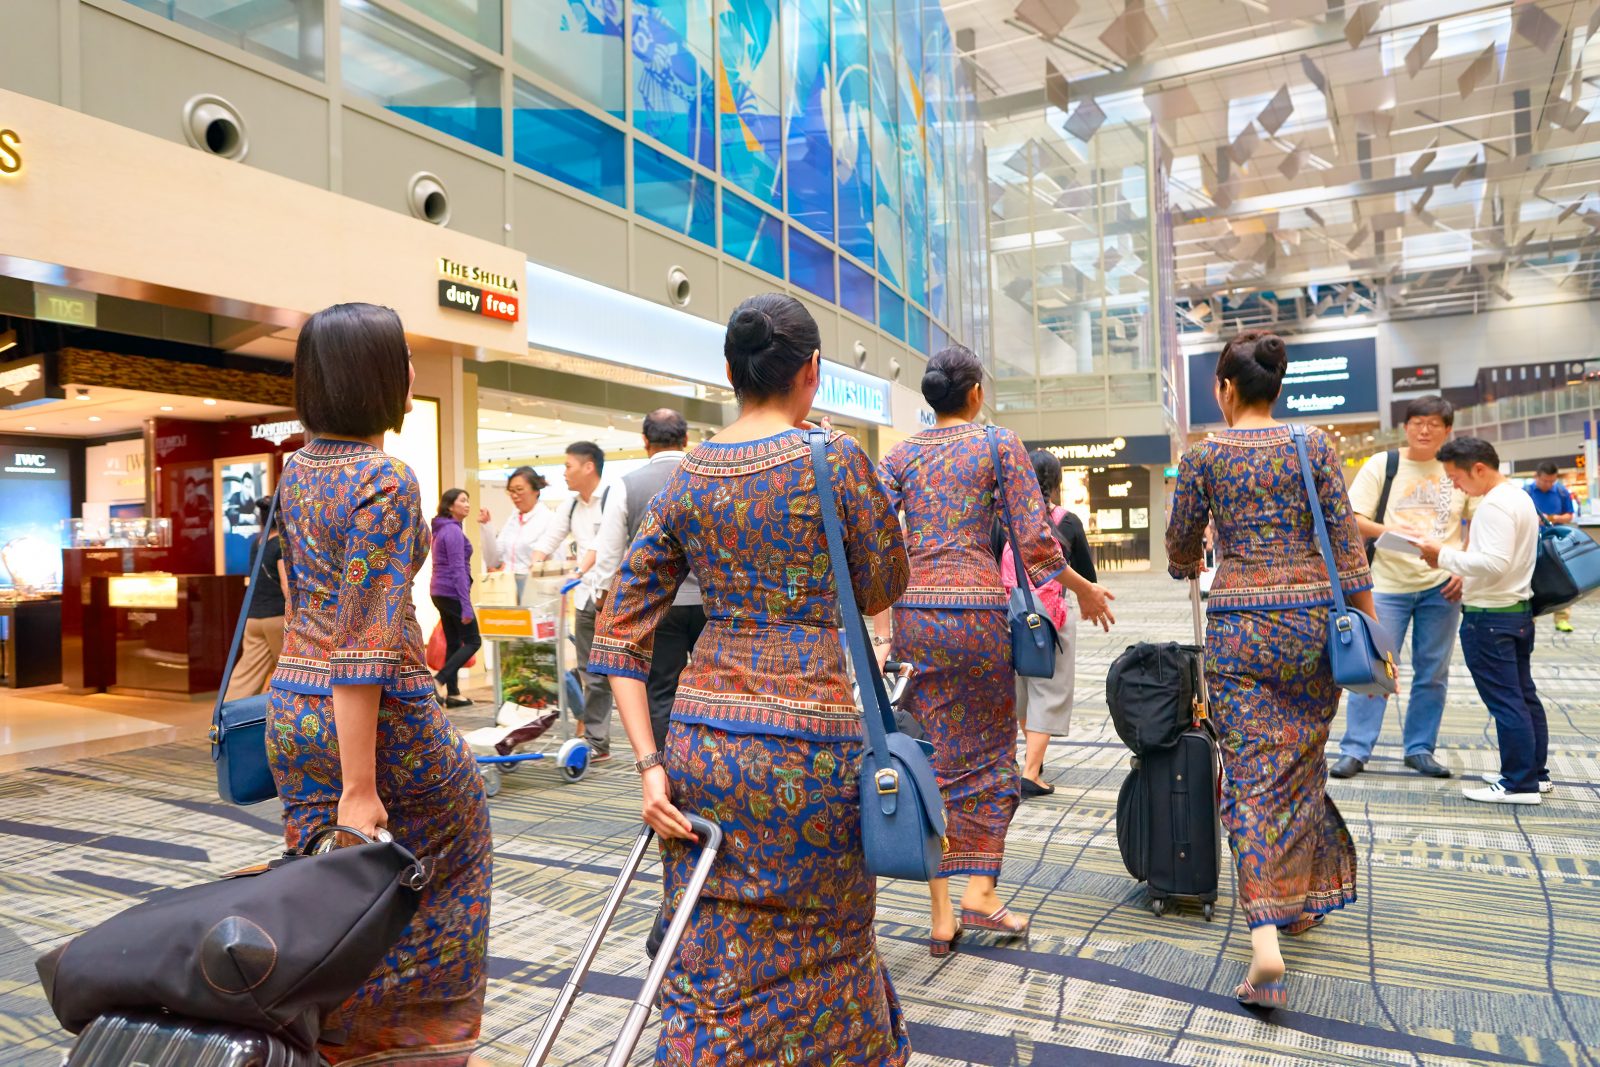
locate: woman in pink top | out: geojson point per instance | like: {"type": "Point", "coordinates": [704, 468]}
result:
{"type": "Point", "coordinates": [1045, 704]}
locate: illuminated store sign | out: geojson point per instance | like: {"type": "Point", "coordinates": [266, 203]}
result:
{"type": "Point", "coordinates": [31, 463]}
{"type": "Point", "coordinates": [852, 394]}
{"type": "Point", "coordinates": [276, 432]}
{"type": "Point", "coordinates": [1117, 451]}
{"type": "Point", "coordinates": [70, 306]}
{"type": "Point", "coordinates": [142, 591]}
{"type": "Point", "coordinates": [474, 290]}
{"type": "Point", "coordinates": [10, 152]}
{"type": "Point", "coordinates": [1325, 378]}
{"type": "Point", "coordinates": [1412, 379]}
{"type": "Point", "coordinates": [27, 381]}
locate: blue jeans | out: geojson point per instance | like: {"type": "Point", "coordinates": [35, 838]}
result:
{"type": "Point", "coordinates": [1432, 621]}
{"type": "Point", "coordinates": [1497, 648]}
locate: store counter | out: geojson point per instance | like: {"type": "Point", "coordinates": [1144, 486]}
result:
{"type": "Point", "coordinates": [30, 642]}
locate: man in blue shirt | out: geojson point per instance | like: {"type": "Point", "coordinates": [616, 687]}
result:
{"type": "Point", "coordinates": [1554, 504]}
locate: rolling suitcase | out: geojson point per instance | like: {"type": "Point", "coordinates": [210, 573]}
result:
{"type": "Point", "coordinates": [159, 1040]}
{"type": "Point", "coordinates": [709, 836]}
{"type": "Point", "coordinates": [1167, 827]}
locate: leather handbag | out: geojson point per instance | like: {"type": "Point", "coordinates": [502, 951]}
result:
{"type": "Point", "coordinates": [1033, 636]}
{"type": "Point", "coordinates": [1566, 568]}
{"type": "Point", "coordinates": [276, 948]}
{"type": "Point", "coordinates": [902, 811]}
{"type": "Point", "coordinates": [239, 727]}
{"type": "Point", "coordinates": [1360, 651]}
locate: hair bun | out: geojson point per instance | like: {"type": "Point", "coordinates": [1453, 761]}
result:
{"type": "Point", "coordinates": [935, 385]}
{"type": "Point", "coordinates": [751, 330]}
{"type": "Point", "coordinates": [1270, 352]}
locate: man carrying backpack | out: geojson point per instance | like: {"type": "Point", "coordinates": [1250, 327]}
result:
{"type": "Point", "coordinates": [1554, 502]}
{"type": "Point", "coordinates": [1407, 492]}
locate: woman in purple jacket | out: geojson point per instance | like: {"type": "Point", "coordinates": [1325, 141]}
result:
{"type": "Point", "coordinates": [451, 589]}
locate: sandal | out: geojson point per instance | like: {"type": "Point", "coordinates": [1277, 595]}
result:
{"type": "Point", "coordinates": [995, 923]}
{"type": "Point", "coordinates": [1266, 995]}
{"type": "Point", "coordinates": [940, 949]}
{"type": "Point", "coordinates": [1302, 924]}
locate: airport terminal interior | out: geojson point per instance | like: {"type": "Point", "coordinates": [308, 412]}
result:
{"type": "Point", "coordinates": [564, 202]}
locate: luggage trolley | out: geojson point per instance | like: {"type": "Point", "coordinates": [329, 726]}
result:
{"type": "Point", "coordinates": [532, 685]}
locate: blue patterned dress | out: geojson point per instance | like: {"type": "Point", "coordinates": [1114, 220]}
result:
{"type": "Point", "coordinates": [951, 623]}
{"type": "Point", "coordinates": [780, 963]}
{"type": "Point", "coordinates": [1271, 689]}
{"type": "Point", "coordinates": [354, 537]}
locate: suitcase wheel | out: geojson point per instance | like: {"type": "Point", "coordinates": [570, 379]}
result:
{"type": "Point", "coordinates": [1208, 910]}
{"type": "Point", "coordinates": [491, 780]}
{"type": "Point", "coordinates": [1158, 907]}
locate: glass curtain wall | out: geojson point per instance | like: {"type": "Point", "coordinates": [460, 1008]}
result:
{"type": "Point", "coordinates": [1073, 256]}
{"type": "Point", "coordinates": [834, 144]}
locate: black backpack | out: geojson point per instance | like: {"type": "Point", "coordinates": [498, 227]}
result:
{"type": "Point", "coordinates": [1152, 691]}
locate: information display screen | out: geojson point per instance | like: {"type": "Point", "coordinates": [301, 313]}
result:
{"type": "Point", "coordinates": [1326, 379]}
{"type": "Point", "coordinates": [36, 484]}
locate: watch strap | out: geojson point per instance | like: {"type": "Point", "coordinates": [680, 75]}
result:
{"type": "Point", "coordinates": [655, 759]}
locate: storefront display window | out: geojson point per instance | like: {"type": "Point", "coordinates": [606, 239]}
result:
{"type": "Point", "coordinates": [418, 75]}
{"type": "Point", "coordinates": [237, 484]}
{"type": "Point", "coordinates": [36, 484]}
{"type": "Point", "coordinates": [568, 144]}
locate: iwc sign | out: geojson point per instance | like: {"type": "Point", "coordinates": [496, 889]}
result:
{"type": "Point", "coordinates": [478, 291]}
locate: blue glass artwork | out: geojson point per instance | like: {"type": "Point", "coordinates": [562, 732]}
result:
{"type": "Point", "coordinates": [891, 311]}
{"type": "Point", "coordinates": [577, 44]}
{"type": "Point", "coordinates": [678, 197]}
{"type": "Point", "coordinates": [751, 81]}
{"type": "Point", "coordinates": [568, 145]}
{"type": "Point", "coordinates": [808, 76]}
{"type": "Point", "coordinates": [916, 330]}
{"type": "Point", "coordinates": [939, 340]}
{"type": "Point", "coordinates": [750, 234]}
{"type": "Point", "coordinates": [938, 60]}
{"type": "Point", "coordinates": [672, 90]}
{"type": "Point", "coordinates": [811, 266]}
{"type": "Point", "coordinates": [852, 128]}
{"type": "Point", "coordinates": [913, 146]}
{"type": "Point", "coordinates": [886, 145]}
{"type": "Point", "coordinates": [857, 291]}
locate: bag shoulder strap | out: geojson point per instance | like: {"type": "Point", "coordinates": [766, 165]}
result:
{"type": "Point", "coordinates": [1391, 468]}
{"type": "Point", "coordinates": [876, 716]}
{"type": "Point", "coordinates": [1023, 582]}
{"type": "Point", "coordinates": [244, 614]}
{"type": "Point", "coordinates": [1298, 433]}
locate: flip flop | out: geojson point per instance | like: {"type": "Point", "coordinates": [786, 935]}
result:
{"type": "Point", "coordinates": [994, 923]}
{"type": "Point", "coordinates": [1303, 924]}
{"type": "Point", "coordinates": [1266, 995]}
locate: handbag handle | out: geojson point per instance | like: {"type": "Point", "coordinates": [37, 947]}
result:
{"type": "Point", "coordinates": [879, 720]}
{"type": "Point", "coordinates": [1023, 582]}
{"type": "Point", "coordinates": [1298, 434]}
{"type": "Point", "coordinates": [238, 629]}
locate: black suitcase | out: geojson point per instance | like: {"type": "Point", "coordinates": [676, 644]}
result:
{"type": "Point", "coordinates": [160, 1040]}
{"type": "Point", "coordinates": [1167, 811]}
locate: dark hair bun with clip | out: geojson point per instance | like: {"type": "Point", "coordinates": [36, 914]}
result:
{"type": "Point", "coordinates": [770, 337]}
{"type": "Point", "coordinates": [949, 379]}
{"type": "Point", "coordinates": [1255, 362]}
{"type": "Point", "coordinates": [751, 330]}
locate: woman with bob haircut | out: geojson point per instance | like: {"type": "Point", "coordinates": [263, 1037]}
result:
{"type": "Point", "coordinates": [1270, 685]}
{"type": "Point", "coordinates": [354, 733]}
{"type": "Point", "coordinates": [780, 962]}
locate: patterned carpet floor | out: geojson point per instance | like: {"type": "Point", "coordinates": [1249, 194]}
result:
{"type": "Point", "coordinates": [1475, 940]}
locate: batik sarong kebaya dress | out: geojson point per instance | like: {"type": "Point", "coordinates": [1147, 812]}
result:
{"type": "Point", "coordinates": [780, 963]}
{"type": "Point", "coordinates": [354, 536]}
{"type": "Point", "coordinates": [1267, 672]}
{"type": "Point", "coordinates": [951, 623]}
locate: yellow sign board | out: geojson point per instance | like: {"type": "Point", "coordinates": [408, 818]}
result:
{"type": "Point", "coordinates": [505, 622]}
{"type": "Point", "coordinates": [142, 590]}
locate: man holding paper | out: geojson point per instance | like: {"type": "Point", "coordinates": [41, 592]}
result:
{"type": "Point", "coordinates": [1417, 503]}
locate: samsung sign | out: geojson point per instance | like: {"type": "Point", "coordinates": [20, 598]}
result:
{"type": "Point", "coordinates": [853, 395]}
{"type": "Point", "coordinates": [1326, 379]}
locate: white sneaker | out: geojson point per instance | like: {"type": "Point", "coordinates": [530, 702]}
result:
{"type": "Point", "coordinates": [1496, 794]}
{"type": "Point", "coordinates": [1493, 778]}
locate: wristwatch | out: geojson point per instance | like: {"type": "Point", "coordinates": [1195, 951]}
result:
{"type": "Point", "coordinates": [655, 759]}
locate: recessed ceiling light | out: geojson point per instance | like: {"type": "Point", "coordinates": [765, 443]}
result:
{"type": "Point", "coordinates": [94, 418]}
{"type": "Point", "coordinates": [208, 402]}
{"type": "Point", "coordinates": [166, 407]}
{"type": "Point", "coordinates": [30, 427]}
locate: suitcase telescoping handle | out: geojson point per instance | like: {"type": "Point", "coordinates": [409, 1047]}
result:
{"type": "Point", "coordinates": [709, 837]}
{"type": "Point", "coordinates": [1201, 712]}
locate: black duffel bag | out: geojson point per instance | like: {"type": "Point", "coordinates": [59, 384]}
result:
{"type": "Point", "coordinates": [1154, 693]}
{"type": "Point", "coordinates": [274, 948]}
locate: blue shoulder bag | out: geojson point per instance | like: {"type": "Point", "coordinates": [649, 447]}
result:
{"type": "Point", "coordinates": [902, 812]}
{"type": "Point", "coordinates": [239, 727]}
{"type": "Point", "coordinates": [1360, 650]}
{"type": "Point", "coordinates": [1033, 635]}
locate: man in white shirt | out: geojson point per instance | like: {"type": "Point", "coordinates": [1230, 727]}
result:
{"type": "Point", "coordinates": [580, 520]}
{"type": "Point", "coordinates": [523, 531]}
{"type": "Point", "coordinates": [1407, 491]}
{"type": "Point", "coordinates": [666, 436]}
{"type": "Point", "coordinates": [1496, 624]}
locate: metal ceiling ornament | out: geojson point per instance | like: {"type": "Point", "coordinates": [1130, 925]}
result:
{"type": "Point", "coordinates": [1535, 25]}
{"type": "Point", "coordinates": [1424, 161]}
{"type": "Point", "coordinates": [1277, 111]}
{"type": "Point", "coordinates": [1056, 90]}
{"type": "Point", "coordinates": [1244, 145]}
{"type": "Point", "coordinates": [1423, 50]}
{"type": "Point", "coordinates": [1361, 23]}
{"type": "Point", "coordinates": [1086, 120]}
{"type": "Point", "coordinates": [1129, 34]}
{"type": "Point", "coordinates": [1314, 73]}
{"type": "Point", "coordinates": [1047, 18]}
{"type": "Point", "coordinates": [1482, 68]}
{"type": "Point", "coordinates": [1294, 162]}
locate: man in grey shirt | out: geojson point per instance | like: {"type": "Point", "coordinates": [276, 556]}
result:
{"type": "Point", "coordinates": [666, 436]}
